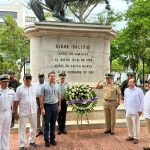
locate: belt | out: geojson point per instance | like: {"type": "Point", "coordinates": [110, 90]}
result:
{"type": "Point", "coordinates": [50, 104]}
{"type": "Point", "coordinates": [108, 100]}
{"type": "Point", "coordinates": [63, 99]}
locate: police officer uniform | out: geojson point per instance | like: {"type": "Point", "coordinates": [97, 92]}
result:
{"type": "Point", "coordinates": [6, 99]}
{"type": "Point", "coordinates": [62, 114]}
{"type": "Point", "coordinates": [111, 96]}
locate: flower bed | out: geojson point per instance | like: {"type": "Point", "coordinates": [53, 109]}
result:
{"type": "Point", "coordinates": [81, 98]}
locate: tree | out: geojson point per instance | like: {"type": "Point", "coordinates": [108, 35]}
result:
{"type": "Point", "coordinates": [134, 39]}
{"type": "Point", "coordinates": [109, 17]}
{"type": "Point", "coordinates": [14, 46]}
{"type": "Point", "coordinates": [82, 9]}
{"type": "Point", "coordinates": [117, 66]}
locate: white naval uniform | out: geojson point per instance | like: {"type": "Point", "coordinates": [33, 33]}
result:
{"type": "Point", "coordinates": [27, 113]}
{"type": "Point", "coordinates": [6, 98]}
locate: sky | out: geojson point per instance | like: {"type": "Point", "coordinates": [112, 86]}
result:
{"type": "Point", "coordinates": [118, 5]}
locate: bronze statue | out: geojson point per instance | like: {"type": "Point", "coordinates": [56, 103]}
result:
{"type": "Point", "coordinates": [55, 6]}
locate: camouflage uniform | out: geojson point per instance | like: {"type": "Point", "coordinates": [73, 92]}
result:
{"type": "Point", "coordinates": [13, 84]}
{"type": "Point", "coordinates": [124, 85]}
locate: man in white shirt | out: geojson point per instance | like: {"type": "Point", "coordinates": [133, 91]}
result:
{"type": "Point", "coordinates": [133, 102]}
{"type": "Point", "coordinates": [26, 100]}
{"type": "Point", "coordinates": [147, 111]}
{"type": "Point", "coordinates": [6, 99]}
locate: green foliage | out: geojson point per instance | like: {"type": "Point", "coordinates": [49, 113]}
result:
{"type": "Point", "coordinates": [132, 44]}
{"type": "Point", "coordinates": [140, 69]}
{"type": "Point", "coordinates": [117, 66]}
{"type": "Point", "coordinates": [82, 9]}
{"type": "Point", "coordinates": [14, 46]}
{"type": "Point", "coordinates": [109, 17]}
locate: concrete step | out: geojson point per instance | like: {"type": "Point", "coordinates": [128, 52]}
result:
{"type": "Point", "coordinates": [93, 124]}
{"type": "Point", "coordinates": [99, 123]}
{"type": "Point", "coordinates": [98, 113]}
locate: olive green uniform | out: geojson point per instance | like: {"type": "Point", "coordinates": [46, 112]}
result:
{"type": "Point", "coordinates": [111, 93]}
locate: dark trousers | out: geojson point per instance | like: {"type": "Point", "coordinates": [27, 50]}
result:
{"type": "Point", "coordinates": [62, 116]}
{"type": "Point", "coordinates": [50, 117]}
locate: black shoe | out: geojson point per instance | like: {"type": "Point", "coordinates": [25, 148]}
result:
{"type": "Point", "coordinates": [146, 148]}
{"type": "Point", "coordinates": [129, 139]}
{"type": "Point", "coordinates": [47, 143]}
{"type": "Point", "coordinates": [33, 144]}
{"type": "Point", "coordinates": [107, 131]}
{"type": "Point", "coordinates": [64, 132]}
{"type": "Point", "coordinates": [112, 133]}
{"type": "Point", "coordinates": [22, 148]}
{"type": "Point", "coordinates": [54, 143]}
{"type": "Point", "coordinates": [39, 133]}
{"type": "Point", "coordinates": [59, 132]}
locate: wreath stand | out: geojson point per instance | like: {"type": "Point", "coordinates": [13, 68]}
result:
{"type": "Point", "coordinates": [80, 117]}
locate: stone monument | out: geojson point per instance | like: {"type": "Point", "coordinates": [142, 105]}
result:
{"type": "Point", "coordinates": [80, 50]}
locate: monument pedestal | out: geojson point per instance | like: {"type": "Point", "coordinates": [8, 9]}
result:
{"type": "Point", "coordinates": [80, 50]}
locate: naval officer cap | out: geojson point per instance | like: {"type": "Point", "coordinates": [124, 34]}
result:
{"type": "Point", "coordinates": [109, 75]}
{"type": "Point", "coordinates": [5, 77]}
{"type": "Point", "coordinates": [11, 71]}
{"type": "Point", "coordinates": [63, 74]}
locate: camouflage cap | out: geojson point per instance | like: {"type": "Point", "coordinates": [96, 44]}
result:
{"type": "Point", "coordinates": [4, 77]}
{"type": "Point", "coordinates": [11, 71]}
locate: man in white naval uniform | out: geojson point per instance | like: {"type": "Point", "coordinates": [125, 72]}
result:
{"type": "Point", "coordinates": [6, 99]}
{"type": "Point", "coordinates": [26, 100]}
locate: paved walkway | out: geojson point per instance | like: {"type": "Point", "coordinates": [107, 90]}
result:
{"type": "Point", "coordinates": [96, 141]}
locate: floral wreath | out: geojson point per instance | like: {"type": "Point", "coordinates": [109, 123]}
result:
{"type": "Point", "coordinates": [81, 98]}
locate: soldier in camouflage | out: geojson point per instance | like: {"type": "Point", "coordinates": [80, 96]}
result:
{"type": "Point", "coordinates": [124, 84]}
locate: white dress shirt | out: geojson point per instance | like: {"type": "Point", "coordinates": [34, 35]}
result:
{"type": "Point", "coordinates": [147, 105]}
{"type": "Point", "coordinates": [133, 100]}
{"type": "Point", "coordinates": [7, 96]}
{"type": "Point", "coordinates": [27, 100]}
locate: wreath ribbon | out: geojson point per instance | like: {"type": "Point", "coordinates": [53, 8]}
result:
{"type": "Point", "coordinates": [82, 101]}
